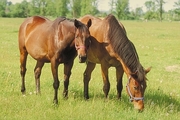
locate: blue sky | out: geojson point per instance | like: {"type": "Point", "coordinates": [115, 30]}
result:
{"type": "Point", "coordinates": [104, 4]}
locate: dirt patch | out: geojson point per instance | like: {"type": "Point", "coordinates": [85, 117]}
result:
{"type": "Point", "coordinates": [173, 68]}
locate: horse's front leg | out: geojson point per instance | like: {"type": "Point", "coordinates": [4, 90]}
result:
{"type": "Point", "coordinates": [37, 74]}
{"type": "Point", "coordinates": [119, 75]}
{"type": "Point", "coordinates": [87, 76]}
{"type": "Point", "coordinates": [67, 73]}
{"type": "Point", "coordinates": [104, 71]}
{"type": "Point", "coordinates": [54, 68]}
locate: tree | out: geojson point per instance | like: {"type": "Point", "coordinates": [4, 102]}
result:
{"type": "Point", "coordinates": [3, 4]}
{"type": "Point", "coordinates": [160, 4]}
{"type": "Point", "coordinates": [151, 10]}
{"type": "Point", "coordinates": [35, 7]}
{"type": "Point", "coordinates": [112, 3]}
{"type": "Point", "coordinates": [19, 9]}
{"type": "Point", "coordinates": [138, 12]}
{"type": "Point", "coordinates": [94, 6]}
{"type": "Point", "coordinates": [88, 6]}
{"type": "Point", "coordinates": [43, 5]}
{"type": "Point", "coordinates": [61, 7]}
{"type": "Point", "coordinates": [50, 8]}
{"type": "Point", "coordinates": [76, 8]}
{"type": "Point", "coordinates": [177, 10]}
{"type": "Point", "coordinates": [122, 9]}
{"type": "Point", "coordinates": [150, 5]}
{"type": "Point", "coordinates": [25, 7]}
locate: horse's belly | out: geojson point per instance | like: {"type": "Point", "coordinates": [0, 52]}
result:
{"type": "Point", "coordinates": [39, 54]}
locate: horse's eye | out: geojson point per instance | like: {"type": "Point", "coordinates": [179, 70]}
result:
{"type": "Point", "coordinates": [135, 88]}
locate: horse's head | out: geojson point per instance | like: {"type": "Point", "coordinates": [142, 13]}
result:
{"type": "Point", "coordinates": [82, 38]}
{"type": "Point", "coordinates": [136, 88]}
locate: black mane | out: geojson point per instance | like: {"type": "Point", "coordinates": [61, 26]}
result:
{"type": "Point", "coordinates": [124, 47]}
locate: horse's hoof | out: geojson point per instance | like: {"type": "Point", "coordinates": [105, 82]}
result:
{"type": "Point", "coordinates": [65, 94]}
{"type": "Point", "coordinates": [23, 92]}
{"type": "Point", "coordinates": [55, 102]}
{"type": "Point", "coordinates": [86, 97]}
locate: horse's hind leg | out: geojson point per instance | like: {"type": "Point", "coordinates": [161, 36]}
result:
{"type": "Point", "coordinates": [67, 73]}
{"type": "Point", "coordinates": [37, 74]}
{"type": "Point", "coordinates": [119, 75]}
{"type": "Point", "coordinates": [23, 59]}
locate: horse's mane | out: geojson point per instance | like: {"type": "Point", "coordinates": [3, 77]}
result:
{"type": "Point", "coordinates": [124, 47]}
{"type": "Point", "coordinates": [60, 19]}
{"type": "Point", "coordinates": [57, 21]}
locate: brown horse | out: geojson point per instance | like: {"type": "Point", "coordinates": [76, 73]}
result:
{"type": "Point", "coordinates": [55, 42]}
{"type": "Point", "coordinates": [111, 47]}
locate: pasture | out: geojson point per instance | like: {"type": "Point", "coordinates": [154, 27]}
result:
{"type": "Point", "coordinates": [157, 45]}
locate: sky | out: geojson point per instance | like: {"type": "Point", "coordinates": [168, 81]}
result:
{"type": "Point", "coordinates": [103, 5]}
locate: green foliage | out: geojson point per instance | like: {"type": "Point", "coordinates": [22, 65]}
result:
{"type": "Point", "coordinates": [50, 8]}
{"type": "Point", "coordinates": [177, 10]}
{"type": "Point", "coordinates": [78, 8]}
{"type": "Point", "coordinates": [61, 7]}
{"type": "Point", "coordinates": [2, 7]}
{"type": "Point", "coordinates": [122, 9]}
{"type": "Point", "coordinates": [88, 7]}
{"type": "Point", "coordinates": [157, 45]}
{"type": "Point", "coordinates": [20, 10]}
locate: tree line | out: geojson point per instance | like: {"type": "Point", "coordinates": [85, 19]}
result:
{"type": "Point", "coordinates": [77, 8]}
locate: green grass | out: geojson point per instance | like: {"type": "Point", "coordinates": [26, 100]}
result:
{"type": "Point", "coordinates": [157, 45]}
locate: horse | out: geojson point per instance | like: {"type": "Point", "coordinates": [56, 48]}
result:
{"type": "Point", "coordinates": [110, 47]}
{"type": "Point", "coordinates": [55, 42]}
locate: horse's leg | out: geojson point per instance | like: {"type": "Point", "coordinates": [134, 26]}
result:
{"type": "Point", "coordinates": [119, 75]}
{"type": "Point", "coordinates": [106, 87]}
{"type": "Point", "coordinates": [37, 74]}
{"type": "Point", "coordinates": [67, 73]}
{"type": "Point", "coordinates": [23, 59]}
{"type": "Point", "coordinates": [87, 76]}
{"type": "Point", "coordinates": [54, 68]}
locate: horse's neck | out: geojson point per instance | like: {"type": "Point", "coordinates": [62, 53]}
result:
{"type": "Point", "coordinates": [125, 68]}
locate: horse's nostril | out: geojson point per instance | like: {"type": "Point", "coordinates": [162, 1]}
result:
{"type": "Point", "coordinates": [82, 59]}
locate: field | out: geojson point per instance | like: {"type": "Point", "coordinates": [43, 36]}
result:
{"type": "Point", "coordinates": [157, 44]}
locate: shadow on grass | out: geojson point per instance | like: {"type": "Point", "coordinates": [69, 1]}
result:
{"type": "Point", "coordinates": [162, 100]}
{"type": "Point", "coordinates": [99, 95]}
{"type": "Point", "coordinates": [153, 99]}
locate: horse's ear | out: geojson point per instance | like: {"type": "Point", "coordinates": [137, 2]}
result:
{"type": "Point", "coordinates": [77, 24]}
{"type": "Point", "coordinates": [89, 23]}
{"type": "Point", "coordinates": [147, 70]}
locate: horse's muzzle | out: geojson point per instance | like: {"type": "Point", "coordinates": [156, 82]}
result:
{"type": "Point", "coordinates": [82, 59]}
{"type": "Point", "coordinates": [139, 105]}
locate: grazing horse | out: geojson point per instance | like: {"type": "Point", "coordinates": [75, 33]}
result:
{"type": "Point", "coordinates": [110, 46]}
{"type": "Point", "coordinates": [58, 41]}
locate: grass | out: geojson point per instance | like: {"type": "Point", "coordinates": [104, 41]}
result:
{"type": "Point", "coordinates": [157, 45]}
